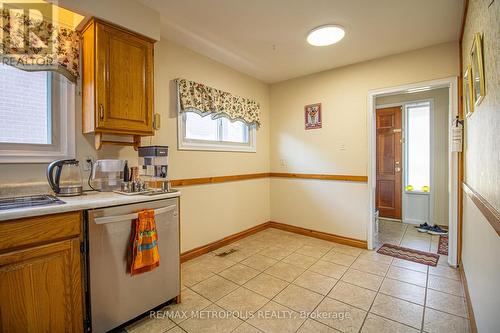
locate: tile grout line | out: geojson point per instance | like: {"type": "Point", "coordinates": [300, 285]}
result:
{"type": "Point", "coordinates": [289, 283]}
{"type": "Point", "coordinates": [324, 297]}
{"type": "Point", "coordinates": [332, 248]}
{"type": "Point", "coordinates": [425, 302]}
{"type": "Point", "coordinates": [374, 298]}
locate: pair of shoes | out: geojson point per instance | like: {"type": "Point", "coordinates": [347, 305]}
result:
{"type": "Point", "coordinates": [436, 230]}
{"type": "Point", "coordinates": [423, 227]}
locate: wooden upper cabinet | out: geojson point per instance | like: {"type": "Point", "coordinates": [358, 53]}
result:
{"type": "Point", "coordinates": [117, 80]}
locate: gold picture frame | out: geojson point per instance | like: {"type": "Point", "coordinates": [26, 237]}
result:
{"type": "Point", "coordinates": [477, 70]}
{"type": "Point", "coordinates": [467, 92]}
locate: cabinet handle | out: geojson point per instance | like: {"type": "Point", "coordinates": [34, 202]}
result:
{"type": "Point", "coordinates": [101, 111]}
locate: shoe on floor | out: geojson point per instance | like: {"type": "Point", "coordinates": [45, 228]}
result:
{"type": "Point", "coordinates": [423, 227]}
{"type": "Point", "coordinates": [436, 230]}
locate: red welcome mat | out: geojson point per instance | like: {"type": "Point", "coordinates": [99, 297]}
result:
{"type": "Point", "coordinates": [443, 245]}
{"type": "Point", "coordinates": [400, 252]}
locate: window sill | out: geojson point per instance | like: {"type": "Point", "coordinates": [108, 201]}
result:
{"type": "Point", "coordinates": [417, 192]}
{"type": "Point", "coordinates": [200, 146]}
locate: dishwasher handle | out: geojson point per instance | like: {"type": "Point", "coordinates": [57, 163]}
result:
{"type": "Point", "coordinates": [128, 217]}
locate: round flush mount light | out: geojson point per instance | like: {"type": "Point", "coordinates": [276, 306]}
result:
{"type": "Point", "coordinates": [325, 35]}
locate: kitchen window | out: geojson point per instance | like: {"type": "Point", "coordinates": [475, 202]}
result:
{"type": "Point", "coordinates": [36, 116]}
{"type": "Point", "coordinates": [198, 132]}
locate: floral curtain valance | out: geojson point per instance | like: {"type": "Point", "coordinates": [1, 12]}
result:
{"type": "Point", "coordinates": [33, 44]}
{"type": "Point", "coordinates": [204, 99]}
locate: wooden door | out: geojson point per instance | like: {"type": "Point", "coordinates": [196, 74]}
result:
{"type": "Point", "coordinates": [40, 289]}
{"type": "Point", "coordinates": [389, 164]}
{"type": "Point", "coordinates": [124, 81]}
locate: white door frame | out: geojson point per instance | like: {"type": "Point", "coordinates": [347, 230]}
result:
{"type": "Point", "coordinates": [451, 83]}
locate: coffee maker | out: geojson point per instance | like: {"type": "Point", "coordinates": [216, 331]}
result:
{"type": "Point", "coordinates": [153, 166]}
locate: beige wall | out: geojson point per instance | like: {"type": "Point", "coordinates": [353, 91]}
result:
{"type": "Point", "coordinates": [336, 207]}
{"type": "Point", "coordinates": [343, 93]}
{"type": "Point", "coordinates": [211, 212]}
{"type": "Point", "coordinates": [440, 156]}
{"type": "Point", "coordinates": [481, 244]}
{"type": "Point", "coordinates": [208, 212]}
{"type": "Point", "coordinates": [480, 253]}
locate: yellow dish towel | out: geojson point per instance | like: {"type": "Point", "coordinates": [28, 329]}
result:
{"type": "Point", "coordinates": [144, 243]}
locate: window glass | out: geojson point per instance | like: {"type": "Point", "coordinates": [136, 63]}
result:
{"type": "Point", "coordinates": [201, 128]}
{"type": "Point", "coordinates": [418, 146]}
{"type": "Point", "coordinates": [25, 112]}
{"type": "Point", "coordinates": [234, 131]}
{"type": "Point", "coordinates": [221, 134]}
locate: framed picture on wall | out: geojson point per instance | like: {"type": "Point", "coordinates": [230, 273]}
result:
{"type": "Point", "coordinates": [476, 58]}
{"type": "Point", "coordinates": [312, 115]}
{"type": "Point", "coordinates": [467, 94]}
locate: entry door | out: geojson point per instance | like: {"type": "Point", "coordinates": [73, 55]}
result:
{"type": "Point", "coordinates": [388, 190]}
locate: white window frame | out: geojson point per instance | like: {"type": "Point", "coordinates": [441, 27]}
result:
{"type": "Point", "coordinates": [193, 144]}
{"type": "Point", "coordinates": [62, 117]}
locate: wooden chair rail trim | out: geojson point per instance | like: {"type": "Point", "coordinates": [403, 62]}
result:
{"type": "Point", "coordinates": [489, 212]}
{"type": "Point", "coordinates": [218, 179]}
{"type": "Point", "coordinates": [223, 179]}
{"type": "Point", "coordinates": [347, 178]}
{"type": "Point", "coordinates": [196, 252]}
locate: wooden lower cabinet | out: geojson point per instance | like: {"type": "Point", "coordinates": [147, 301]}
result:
{"type": "Point", "coordinates": [41, 288]}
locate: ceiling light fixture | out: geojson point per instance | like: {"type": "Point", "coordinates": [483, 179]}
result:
{"type": "Point", "coordinates": [325, 35]}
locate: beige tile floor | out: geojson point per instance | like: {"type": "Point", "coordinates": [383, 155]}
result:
{"type": "Point", "coordinates": [278, 281]}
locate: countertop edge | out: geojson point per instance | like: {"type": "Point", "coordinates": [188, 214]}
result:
{"type": "Point", "coordinates": [91, 200]}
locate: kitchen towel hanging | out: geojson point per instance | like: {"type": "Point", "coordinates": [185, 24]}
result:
{"type": "Point", "coordinates": [205, 100]}
{"type": "Point", "coordinates": [144, 255]}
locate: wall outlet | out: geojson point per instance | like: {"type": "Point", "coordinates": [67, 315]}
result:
{"type": "Point", "coordinates": [342, 146]}
{"type": "Point", "coordinates": [87, 163]}
{"type": "Point", "coordinates": [283, 163]}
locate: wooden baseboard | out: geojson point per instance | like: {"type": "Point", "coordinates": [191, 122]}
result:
{"type": "Point", "coordinates": [472, 319]}
{"type": "Point", "coordinates": [321, 235]}
{"type": "Point", "coordinates": [196, 252]}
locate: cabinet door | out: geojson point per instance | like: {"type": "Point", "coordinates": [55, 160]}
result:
{"type": "Point", "coordinates": [40, 289]}
{"type": "Point", "coordinates": [124, 81]}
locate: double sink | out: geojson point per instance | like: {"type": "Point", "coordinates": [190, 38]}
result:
{"type": "Point", "coordinates": [29, 201]}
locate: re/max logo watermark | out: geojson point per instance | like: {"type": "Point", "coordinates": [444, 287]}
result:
{"type": "Point", "coordinates": [27, 29]}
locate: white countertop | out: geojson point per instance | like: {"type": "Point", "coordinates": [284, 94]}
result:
{"type": "Point", "coordinates": [89, 200]}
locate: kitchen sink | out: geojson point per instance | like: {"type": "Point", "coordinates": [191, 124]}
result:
{"type": "Point", "coordinates": [29, 201]}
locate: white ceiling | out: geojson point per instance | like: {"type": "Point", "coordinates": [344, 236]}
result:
{"type": "Point", "coordinates": [267, 38]}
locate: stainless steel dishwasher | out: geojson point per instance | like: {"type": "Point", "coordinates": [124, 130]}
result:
{"type": "Point", "coordinates": [115, 297]}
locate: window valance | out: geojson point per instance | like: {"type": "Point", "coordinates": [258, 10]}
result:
{"type": "Point", "coordinates": [203, 99]}
{"type": "Point", "coordinates": [36, 44]}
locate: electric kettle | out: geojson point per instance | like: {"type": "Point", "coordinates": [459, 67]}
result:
{"type": "Point", "coordinates": [65, 177]}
